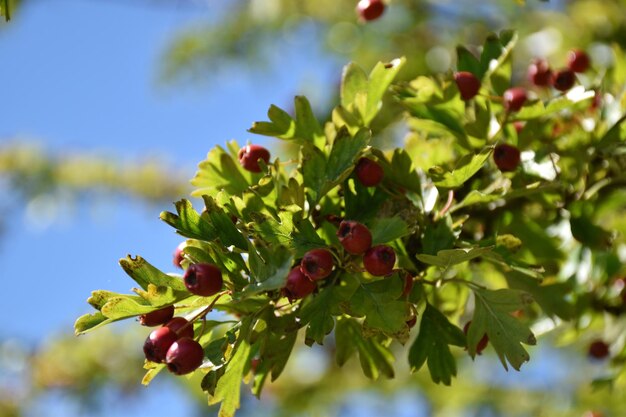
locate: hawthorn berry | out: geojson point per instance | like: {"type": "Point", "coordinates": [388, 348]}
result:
{"type": "Point", "coordinates": [369, 172]}
{"type": "Point", "coordinates": [369, 10]}
{"type": "Point", "coordinates": [578, 61]}
{"type": "Point", "coordinates": [598, 349]}
{"type": "Point", "coordinates": [317, 264]}
{"type": "Point", "coordinates": [563, 80]}
{"type": "Point", "coordinates": [203, 279]}
{"type": "Point", "coordinates": [249, 157]}
{"type": "Point", "coordinates": [468, 84]}
{"type": "Point", "coordinates": [506, 157]}
{"type": "Point", "coordinates": [355, 237]}
{"type": "Point", "coordinates": [379, 260]}
{"type": "Point", "coordinates": [158, 342]}
{"type": "Point", "coordinates": [184, 355]}
{"type": "Point", "coordinates": [181, 327]}
{"type": "Point", "coordinates": [482, 343]}
{"type": "Point", "coordinates": [514, 98]}
{"type": "Point", "coordinates": [157, 317]}
{"type": "Point", "coordinates": [539, 73]}
{"type": "Point", "coordinates": [178, 255]}
{"type": "Point", "coordinates": [298, 285]}
{"type": "Point", "coordinates": [412, 321]}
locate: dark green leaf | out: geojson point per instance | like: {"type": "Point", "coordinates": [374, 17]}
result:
{"type": "Point", "coordinates": [466, 61]}
{"type": "Point", "coordinates": [388, 229]}
{"type": "Point", "coordinates": [381, 76]}
{"type": "Point", "coordinates": [188, 222]}
{"type": "Point", "coordinates": [448, 257]}
{"type": "Point", "coordinates": [378, 302]}
{"type": "Point", "coordinates": [318, 314]}
{"type": "Point", "coordinates": [466, 167]}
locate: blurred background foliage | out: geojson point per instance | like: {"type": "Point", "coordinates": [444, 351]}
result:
{"type": "Point", "coordinates": [255, 33]}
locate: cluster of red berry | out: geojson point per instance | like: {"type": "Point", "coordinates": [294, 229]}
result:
{"type": "Point", "coordinates": [173, 343]}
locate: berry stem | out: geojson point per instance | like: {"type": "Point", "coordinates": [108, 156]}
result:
{"type": "Point", "coordinates": [202, 314]}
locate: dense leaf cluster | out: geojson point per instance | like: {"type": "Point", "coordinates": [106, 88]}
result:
{"type": "Point", "coordinates": [472, 243]}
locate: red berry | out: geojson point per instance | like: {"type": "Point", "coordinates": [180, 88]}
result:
{"type": "Point", "coordinates": [354, 237]}
{"type": "Point", "coordinates": [184, 356]}
{"type": "Point", "coordinates": [514, 98]}
{"type": "Point", "coordinates": [317, 264]}
{"type": "Point", "coordinates": [467, 83]}
{"type": "Point", "coordinates": [370, 9]}
{"type": "Point", "coordinates": [563, 80]}
{"type": "Point", "coordinates": [539, 73]}
{"type": "Point", "coordinates": [249, 157]}
{"type": "Point", "coordinates": [379, 260]}
{"type": "Point", "coordinates": [369, 172]}
{"type": "Point", "coordinates": [482, 343]}
{"type": "Point", "coordinates": [506, 157]}
{"type": "Point", "coordinates": [157, 317]}
{"type": "Point", "coordinates": [578, 61]}
{"type": "Point", "coordinates": [181, 327]}
{"type": "Point", "coordinates": [178, 254]}
{"type": "Point", "coordinates": [298, 285]}
{"type": "Point", "coordinates": [412, 321]}
{"type": "Point", "coordinates": [203, 279]}
{"type": "Point", "coordinates": [158, 342]}
{"type": "Point", "coordinates": [519, 126]}
{"type": "Point", "coordinates": [598, 349]}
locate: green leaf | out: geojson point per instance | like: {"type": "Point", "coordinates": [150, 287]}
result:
{"type": "Point", "coordinates": [353, 81]}
{"type": "Point", "coordinates": [90, 322]}
{"type": "Point", "coordinates": [400, 171]}
{"type": "Point", "coordinates": [318, 314]}
{"type": "Point", "coordinates": [448, 257]}
{"type": "Point", "coordinates": [552, 298]}
{"type": "Point", "coordinates": [378, 302]}
{"type": "Point", "coordinates": [228, 389]}
{"type": "Point", "coordinates": [431, 346]}
{"type": "Point", "coordinates": [538, 109]}
{"type": "Point", "coordinates": [499, 73]}
{"type": "Point", "coordinates": [275, 352]}
{"type": "Point", "coordinates": [466, 61]}
{"type": "Point", "coordinates": [144, 274]}
{"type": "Point", "coordinates": [282, 126]}
{"type": "Point", "coordinates": [375, 357]}
{"type": "Point", "coordinates": [5, 10]}
{"type": "Point", "coordinates": [220, 172]}
{"type": "Point", "coordinates": [269, 271]}
{"type": "Point", "coordinates": [223, 225]}
{"type": "Point", "coordinates": [314, 171]}
{"type": "Point", "coordinates": [305, 238]}
{"type": "Point", "coordinates": [188, 222]}
{"type": "Point", "coordinates": [388, 229]}
{"type": "Point", "coordinates": [379, 80]}
{"type": "Point", "coordinates": [307, 126]}
{"type": "Point", "coordinates": [466, 167]}
{"type": "Point", "coordinates": [123, 307]}
{"type": "Point", "coordinates": [492, 315]}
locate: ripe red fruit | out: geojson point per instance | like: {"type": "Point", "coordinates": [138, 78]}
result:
{"type": "Point", "coordinates": [178, 255]}
{"type": "Point", "coordinates": [180, 327]}
{"type": "Point", "coordinates": [203, 279]}
{"type": "Point", "coordinates": [514, 98]}
{"type": "Point", "coordinates": [158, 342]}
{"type": "Point", "coordinates": [369, 172]}
{"type": "Point", "coordinates": [563, 80]}
{"type": "Point", "coordinates": [482, 343]}
{"type": "Point", "coordinates": [354, 237]}
{"type": "Point", "coordinates": [379, 260]}
{"type": "Point", "coordinates": [412, 321]}
{"type": "Point", "coordinates": [539, 73]}
{"type": "Point", "coordinates": [506, 157]}
{"type": "Point", "coordinates": [249, 157]}
{"type": "Point", "coordinates": [370, 9]}
{"type": "Point", "coordinates": [467, 83]}
{"type": "Point", "coordinates": [184, 356]}
{"type": "Point", "coordinates": [298, 285]}
{"type": "Point", "coordinates": [157, 317]}
{"type": "Point", "coordinates": [578, 61]}
{"type": "Point", "coordinates": [317, 264]}
{"type": "Point", "coordinates": [598, 349]}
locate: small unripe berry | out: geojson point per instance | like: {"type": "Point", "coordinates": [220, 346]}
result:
{"type": "Point", "coordinates": [563, 80]}
{"type": "Point", "coordinates": [249, 157]}
{"type": "Point", "coordinates": [368, 172]}
{"type": "Point", "coordinates": [298, 285]}
{"type": "Point", "coordinates": [482, 343]}
{"type": "Point", "coordinates": [379, 260]}
{"type": "Point", "coordinates": [539, 73]}
{"type": "Point", "coordinates": [178, 255]}
{"type": "Point", "coordinates": [184, 356]}
{"type": "Point", "coordinates": [598, 349]}
{"type": "Point", "coordinates": [158, 342]}
{"type": "Point", "coordinates": [370, 9]}
{"type": "Point", "coordinates": [468, 84]}
{"type": "Point", "coordinates": [578, 61]}
{"type": "Point", "coordinates": [514, 98]}
{"type": "Point", "coordinates": [203, 279]}
{"type": "Point", "coordinates": [157, 317]}
{"type": "Point", "coordinates": [506, 157]}
{"type": "Point", "coordinates": [317, 264]}
{"type": "Point", "coordinates": [181, 327]}
{"type": "Point", "coordinates": [354, 237]}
